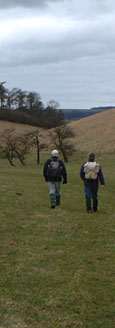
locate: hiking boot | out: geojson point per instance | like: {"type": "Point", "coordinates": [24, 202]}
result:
{"type": "Point", "coordinates": [52, 199]}
{"type": "Point", "coordinates": [57, 200]}
{"type": "Point", "coordinates": [52, 205]}
{"type": "Point", "coordinates": [89, 210]}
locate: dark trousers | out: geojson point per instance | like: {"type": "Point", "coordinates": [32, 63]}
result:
{"type": "Point", "coordinates": [91, 189]}
{"type": "Point", "coordinates": [89, 205]}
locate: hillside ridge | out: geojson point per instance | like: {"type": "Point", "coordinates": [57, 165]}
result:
{"type": "Point", "coordinates": [96, 132]}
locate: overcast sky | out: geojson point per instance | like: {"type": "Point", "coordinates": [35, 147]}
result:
{"type": "Point", "coordinates": [62, 49]}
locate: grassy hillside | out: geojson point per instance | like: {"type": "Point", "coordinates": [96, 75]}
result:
{"type": "Point", "coordinates": [96, 132]}
{"type": "Point", "coordinates": [20, 128]}
{"type": "Point", "coordinates": [56, 266]}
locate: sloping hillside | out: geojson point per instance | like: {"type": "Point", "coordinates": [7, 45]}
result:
{"type": "Point", "coordinates": [95, 133]}
{"type": "Point", "coordinates": [19, 128]}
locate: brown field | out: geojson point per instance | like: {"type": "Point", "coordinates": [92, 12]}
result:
{"type": "Point", "coordinates": [95, 133]}
{"type": "Point", "coordinates": [19, 128]}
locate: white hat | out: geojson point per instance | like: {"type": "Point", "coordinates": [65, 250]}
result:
{"type": "Point", "coordinates": [54, 153]}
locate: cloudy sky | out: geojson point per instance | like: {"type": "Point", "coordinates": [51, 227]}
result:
{"type": "Point", "coordinates": [62, 49]}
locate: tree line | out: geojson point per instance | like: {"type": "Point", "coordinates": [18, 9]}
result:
{"type": "Point", "coordinates": [25, 107]}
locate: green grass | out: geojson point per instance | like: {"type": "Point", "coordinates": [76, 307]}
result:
{"type": "Point", "coordinates": [56, 266]}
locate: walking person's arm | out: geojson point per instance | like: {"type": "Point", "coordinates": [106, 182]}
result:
{"type": "Point", "coordinates": [64, 172]}
{"type": "Point", "coordinates": [101, 177]}
{"type": "Point", "coordinates": [82, 174]}
{"type": "Point", "coordinates": [45, 169]}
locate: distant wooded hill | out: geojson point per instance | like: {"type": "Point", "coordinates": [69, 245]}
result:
{"type": "Point", "coordinates": [77, 114]}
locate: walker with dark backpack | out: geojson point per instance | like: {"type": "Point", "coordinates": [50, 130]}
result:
{"type": "Point", "coordinates": [54, 169]}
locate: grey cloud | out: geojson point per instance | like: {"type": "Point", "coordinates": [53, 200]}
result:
{"type": "Point", "coordinates": [86, 42]}
{"type": "Point", "coordinates": [91, 8]}
{"type": "Point", "coordinates": [25, 3]}
{"type": "Point", "coordinates": [33, 53]}
{"type": "Point", "coordinates": [69, 59]}
{"type": "Point", "coordinates": [82, 83]}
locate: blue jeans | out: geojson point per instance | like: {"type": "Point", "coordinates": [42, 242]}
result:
{"type": "Point", "coordinates": [91, 189]}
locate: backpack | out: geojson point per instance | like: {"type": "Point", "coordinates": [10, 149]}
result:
{"type": "Point", "coordinates": [54, 169]}
{"type": "Point", "coordinates": [91, 170]}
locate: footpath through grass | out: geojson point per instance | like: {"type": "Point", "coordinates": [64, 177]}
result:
{"type": "Point", "coordinates": [56, 265]}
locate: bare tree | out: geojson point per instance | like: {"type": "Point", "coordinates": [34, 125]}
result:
{"type": "Point", "coordinates": [37, 141]}
{"type": "Point", "coordinates": [21, 99]}
{"type": "Point", "coordinates": [23, 147]}
{"type": "Point", "coordinates": [34, 101]}
{"type": "Point", "coordinates": [60, 137]}
{"type": "Point", "coordinates": [13, 98]}
{"type": "Point", "coordinates": [53, 104]}
{"type": "Point", "coordinates": [3, 92]}
{"type": "Point", "coordinates": [13, 145]}
{"type": "Point", "coordinates": [8, 143]}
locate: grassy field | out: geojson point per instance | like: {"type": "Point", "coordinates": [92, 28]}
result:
{"type": "Point", "coordinates": [56, 265]}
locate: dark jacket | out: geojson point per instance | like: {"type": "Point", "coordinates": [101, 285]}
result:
{"type": "Point", "coordinates": [63, 172]}
{"type": "Point", "coordinates": [100, 177]}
